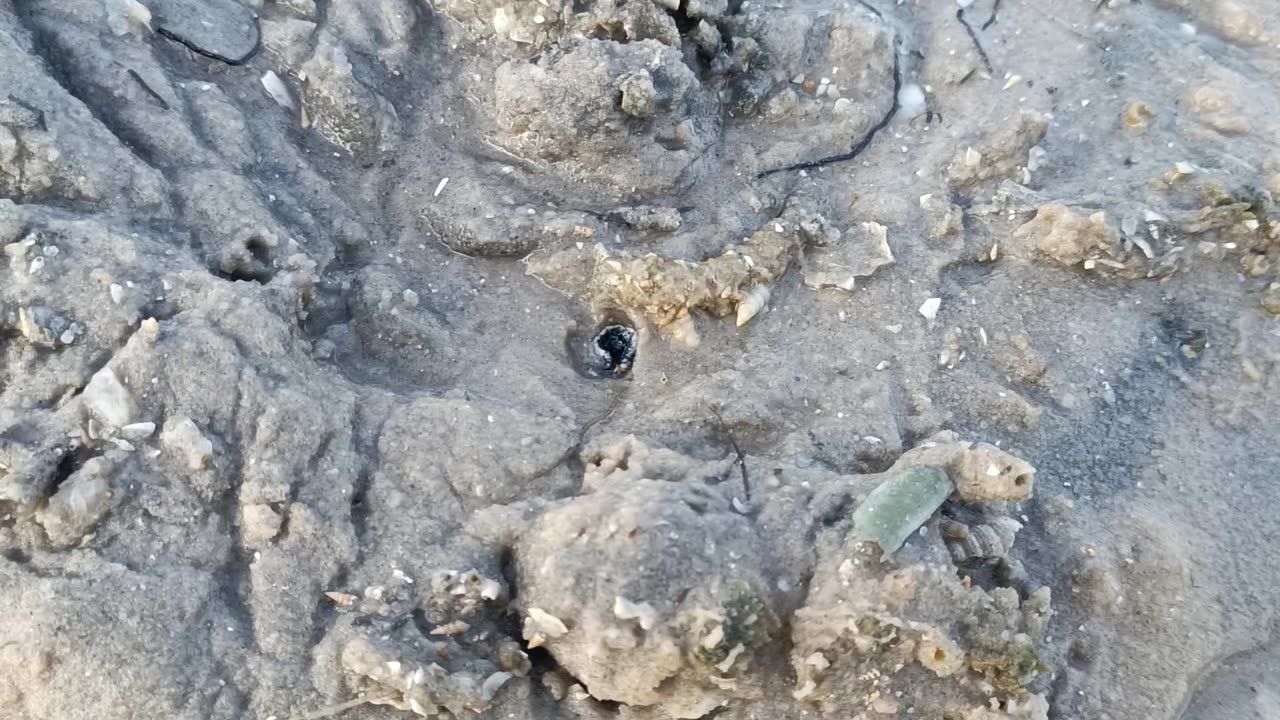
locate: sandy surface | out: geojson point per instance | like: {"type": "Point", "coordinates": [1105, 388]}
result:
{"type": "Point", "coordinates": [303, 411]}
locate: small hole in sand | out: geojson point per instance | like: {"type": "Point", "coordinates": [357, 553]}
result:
{"type": "Point", "coordinates": [940, 655]}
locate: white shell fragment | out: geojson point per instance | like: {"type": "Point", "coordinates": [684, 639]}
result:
{"type": "Point", "coordinates": [490, 589]}
{"type": "Point", "coordinates": [540, 625]}
{"type": "Point", "coordinates": [930, 308]}
{"type": "Point", "coordinates": [123, 15]}
{"type": "Point", "coordinates": [643, 613]}
{"type": "Point", "coordinates": [492, 684]}
{"type": "Point", "coordinates": [713, 638]}
{"type": "Point", "coordinates": [503, 23]}
{"type": "Point", "coordinates": [138, 431]}
{"type": "Point", "coordinates": [753, 303]}
{"type": "Point", "coordinates": [276, 88]}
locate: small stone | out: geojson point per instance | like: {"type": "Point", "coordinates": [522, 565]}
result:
{"type": "Point", "coordinates": [107, 399]}
{"type": "Point", "coordinates": [259, 523]}
{"type": "Point", "coordinates": [117, 293]}
{"type": "Point", "coordinates": [80, 502]}
{"type": "Point", "coordinates": [1138, 114]}
{"type": "Point", "coordinates": [1271, 299]}
{"type": "Point", "coordinates": [639, 96]}
{"type": "Point", "coordinates": [930, 308]}
{"type": "Point", "coordinates": [182, 437]}
{"type": "Point", "coordinates": [457, 627]}
{"type": "Point", "coordinates": [43, 327]}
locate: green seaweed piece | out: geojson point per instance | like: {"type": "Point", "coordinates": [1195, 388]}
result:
{"type": "Point", "coordinates": [900, 505]}
{"type": "Point", "coordinates": [1010, 668]}
{"type": "Point", "coordinates": [748, 621]}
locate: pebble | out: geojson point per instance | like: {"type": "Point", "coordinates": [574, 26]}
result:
{"type": "Point", "coordinates": [930, 308]}
{"type": "Point", "coordinates": [108, 399]}
{"type": "Point", "coordinates": [117, 293]}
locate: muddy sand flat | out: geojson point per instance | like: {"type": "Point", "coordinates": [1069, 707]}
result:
{"type": "Point", "coordinates": [639, 359]}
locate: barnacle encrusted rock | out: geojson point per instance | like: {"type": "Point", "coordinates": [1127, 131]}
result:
{"type": "Point", "coordinates": [649, 592]}
{"type": "Point", "coordinates": [980, 471]}
{"type": "Point", "coordinates": [880, 631]}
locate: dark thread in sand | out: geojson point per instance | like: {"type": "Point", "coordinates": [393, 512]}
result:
{"type": "Point", "coordinates": [165, 32]}
{"type": "Point", "coordinates": [859, 146]}
{"type": "Point", "coordinates": [995, 8]}
{"type": "Point", "coordinates": [742, 459]}
{"type": "Point", "coordinates": [40, 118]}
{"type": "Point", "coordinates": [973, 35]}
{"type": "Point", "coordinates": [149, 90]}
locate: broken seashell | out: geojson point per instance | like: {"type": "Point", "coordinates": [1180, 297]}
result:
{"type": "Point", "coordinates": [752, 303]}
{"type": "Point", "coordinates": [341, 599]}
{"type": "Point", "coordinates": [642, 613]}
{"type": "Point", "coordinates": [539, 625]}
{"type": "Point", "coordinates": [276, 88]}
